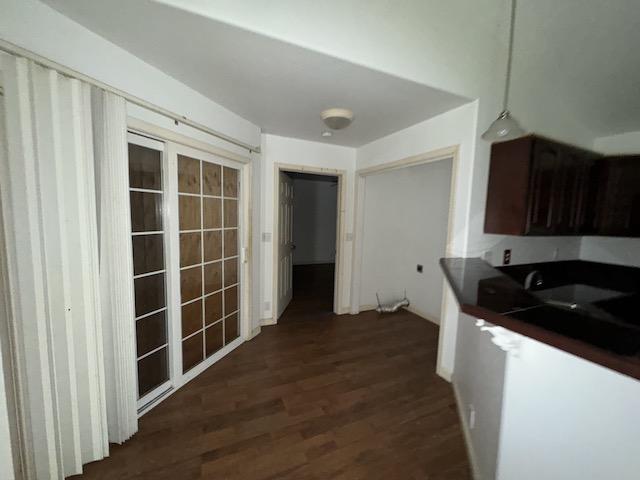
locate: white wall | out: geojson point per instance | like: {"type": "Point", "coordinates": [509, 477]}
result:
{"type": "Point", "coordinates": [314, 221]}
{"type": "Point", "coordinates": [567, 418]}
{"type": "Point", "coordinates": [622, 251]}
{"type": "Point", "coordinates": [406, 214]}
{"type": "Point", "coordinates": [624, 143]}
{"type": "Point", "coordinates": [291, 151]}
{"type": "Point", "coordinates": [478, 383]}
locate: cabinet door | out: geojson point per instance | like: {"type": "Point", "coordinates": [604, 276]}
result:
{"type": "Point", "coordinates": [543, 187]}
{"type": "Point", "coordinates": [572, 207]}
{"type": "Point", "coordinates": [619, 201]}
{"type": "Point", "coordinates": [588, 196]}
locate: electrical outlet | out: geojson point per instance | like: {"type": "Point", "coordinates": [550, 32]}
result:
{"type": "Point", "coordinates": [472, 417]}
{"type": "Point", "coordinates": [266, 237]}
{"type": "Point", "coordinates": [267, 306]}
{"type": "Point", "coordinates": [419, 268]}
{"type": "Point", "coordinates": [506, 257]}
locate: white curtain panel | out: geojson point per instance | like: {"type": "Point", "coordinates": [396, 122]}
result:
{"type": "Point", "coordinates": [116, 269]}
{"type": "Point", "coordinates": [47, 184]}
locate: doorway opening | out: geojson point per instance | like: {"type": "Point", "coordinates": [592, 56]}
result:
{"type": "Point", "coordinates": [308, 225]}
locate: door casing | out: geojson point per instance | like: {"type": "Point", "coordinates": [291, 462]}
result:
{"type": "Point", "coordinates": [340, 230]}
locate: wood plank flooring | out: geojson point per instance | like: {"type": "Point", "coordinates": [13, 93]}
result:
{"type": "Point", "coordinates": [318, 396]}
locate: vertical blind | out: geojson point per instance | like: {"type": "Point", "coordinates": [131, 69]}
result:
{"type": "Point", "coordinates": [62, 287]}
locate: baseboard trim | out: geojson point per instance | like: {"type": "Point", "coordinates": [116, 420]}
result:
{"type": "Point", "coordinates": [265, 322]}
{"type": "Point", "coordinates": [255, 332]}
{"type": "Point", "coordinates": [444, 374]}
{"type": "Point", "coordinates": [365, 308]}
{"type": "Point", "coordinates": [417, 312]}
{"type": "Point", "coordinates": [466, 432]}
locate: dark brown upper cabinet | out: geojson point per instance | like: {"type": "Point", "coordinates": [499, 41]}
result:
{"type": "Point", "coordinates": [618, 202]}
{"type": "Point", "coordinates": [541, 187]}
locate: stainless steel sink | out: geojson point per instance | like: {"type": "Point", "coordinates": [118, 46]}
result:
{"type": "Point", "coordinates": [576, 294]}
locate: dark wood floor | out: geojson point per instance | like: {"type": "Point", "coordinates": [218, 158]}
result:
{"type": "Point", "coordinates": [318, 396]}
{"type": "Point", "coordinates": [312, 293]}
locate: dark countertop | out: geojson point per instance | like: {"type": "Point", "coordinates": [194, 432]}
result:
{"type": "Point", "coordinates": [602, 326]}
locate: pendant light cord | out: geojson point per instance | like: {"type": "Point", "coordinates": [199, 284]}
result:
{"type": "Point", "coordinates": [510, 55]}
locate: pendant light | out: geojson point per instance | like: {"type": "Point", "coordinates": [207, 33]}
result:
{"type": "Point", "coordinates": [505, 127]}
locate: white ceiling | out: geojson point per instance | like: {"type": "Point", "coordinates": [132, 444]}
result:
{"type": "Point", "coordinates": [278, 86]}
{"type": "Point", "coordinates": [576, 68]}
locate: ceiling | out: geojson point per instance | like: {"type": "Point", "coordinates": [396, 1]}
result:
{"type": "Point", "coordinates": [576, 65]}
{"type": "Point", "coordinates": [280, 87]}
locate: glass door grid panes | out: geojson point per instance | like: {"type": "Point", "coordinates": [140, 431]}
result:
{"type": "Point", "coordinates": [147, 198]}
{"type": "Point", "coordinates": [209, 261]}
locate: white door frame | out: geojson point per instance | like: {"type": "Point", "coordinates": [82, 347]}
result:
{"type": "Point", "coordinates": [340, 229]}
{"type": "Point", "coordinates": [452, 153]}
{"type": "Point", "coordinates": [175, 141]}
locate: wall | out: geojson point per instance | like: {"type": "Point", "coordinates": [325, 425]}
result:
{"type": "Point", "coordinates": [314, 220]}
{"type": "Point", "coordinates": [623, 251]}
{"type": "Point", "coordinates": [300, 153]}
{"type": "Point", "coordinates": [478, 384]}
{"type": "Point", "coordinates": [406, 214]}
{"type": "Point", "coordinates": [565, 417]}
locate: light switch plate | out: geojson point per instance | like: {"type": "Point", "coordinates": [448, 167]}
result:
{"type": "Point", "coordinates": [266, 237]}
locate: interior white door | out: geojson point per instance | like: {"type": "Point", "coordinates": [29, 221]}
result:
{"type": "Point", "coordinates": [285, 241]}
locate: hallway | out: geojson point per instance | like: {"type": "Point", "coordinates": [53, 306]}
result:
{"type": "Point", "coordinates": [345, 397]}
{"type": "Point", "coordinates": [312, 293]}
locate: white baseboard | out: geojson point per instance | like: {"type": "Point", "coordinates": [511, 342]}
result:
{"type": "Point", "coordinates": [255, 332]}
{"type": "Point", "coordinates": [444, 374]}
{"type": "Point", "coordinates": [268, 321]}
{"type": "Point", "coordinates": [366, 308]}
{"type": "Point", "coordinates": [462, 413]}
{"type": "Point", "coordinates": [415, 311]}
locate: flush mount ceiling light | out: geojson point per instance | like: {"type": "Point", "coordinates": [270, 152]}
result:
{"type": "Point", "coordinates": [505, 127]}
{"type": "Point", "coordinates": [337, 118]}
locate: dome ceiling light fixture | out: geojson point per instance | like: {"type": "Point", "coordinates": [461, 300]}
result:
{"type": "Point", "coordinates": [337, 118]}
{"type": "Point", "coordinates": [505, 127]}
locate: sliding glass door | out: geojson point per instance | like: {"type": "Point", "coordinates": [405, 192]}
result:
{"type": "Point", "coordinates": [186, 217]}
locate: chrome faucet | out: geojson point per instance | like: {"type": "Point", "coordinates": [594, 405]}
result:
{"type": "Point", "coordinates": [535, 278]}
